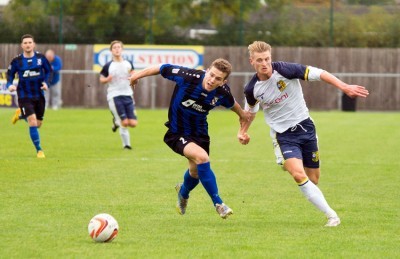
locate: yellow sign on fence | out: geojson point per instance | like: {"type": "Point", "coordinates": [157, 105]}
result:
{"type": "Point", "coordinates": [143, 56]}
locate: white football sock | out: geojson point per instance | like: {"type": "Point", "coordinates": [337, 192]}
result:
{"type": "Point", "coordinates": [315, 196]}
{"type": "Point", "coordinates": [125, 137]}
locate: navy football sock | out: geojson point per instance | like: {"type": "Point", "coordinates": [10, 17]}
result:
{"type": "Point", "coordinates": [189, 183]}
{"type": "Point", "coordinates": [208, 180]}
{"type": "Point", "coordinates": [34, 133]}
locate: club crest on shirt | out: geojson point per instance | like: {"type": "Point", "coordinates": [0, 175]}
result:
{"type": "Point", "coordinates": [39, 62]}
{"type": "Point", "coordinates": [315, 156]}
{"type": "Point", "coordinates": [214, 101]}
{"type": "Point", "coordinates": [281, 85]}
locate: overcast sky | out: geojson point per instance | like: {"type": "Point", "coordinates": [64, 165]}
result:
{"type": "Point", "coordinates": [3, 2]}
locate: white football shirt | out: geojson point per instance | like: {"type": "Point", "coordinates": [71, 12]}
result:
{"type": "Point", "coordinates": [120, 84]}
{"type": "Point", "coordinates": [281, 96]}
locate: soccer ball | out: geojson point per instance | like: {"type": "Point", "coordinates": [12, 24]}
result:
{"type": "Point", "coordinates": [103, 228]}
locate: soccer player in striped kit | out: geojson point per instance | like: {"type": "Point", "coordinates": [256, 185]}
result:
{"type": "Point", "coordinates": [276, 88]}
{"type": "Point", "coordinates": [33, 74]}
{"type": "Point", "coordinates": [196, 93]}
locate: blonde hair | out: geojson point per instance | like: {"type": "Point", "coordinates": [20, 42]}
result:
{"type": "Point", "coordinates": [259, 46]}
{"type": "Point", "coordinates": [115, 42]}
{"type": "Point", "coordinates": [222, 65]}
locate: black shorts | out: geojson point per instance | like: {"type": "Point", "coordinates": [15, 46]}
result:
{"type": "Point", "coordinates": [31, 106]}
{"type": "Point", "coordinates": [177, 142]}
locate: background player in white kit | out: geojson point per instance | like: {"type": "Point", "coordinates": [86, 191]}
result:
{"type": "Point", "coordinates": [276, 87]}
{"type": "Point", "coordinates": [116, 74]}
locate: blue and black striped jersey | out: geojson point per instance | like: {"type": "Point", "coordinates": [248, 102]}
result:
{"type": "Point", "coordinates": [32, 72]}
{"type": "Point", "coordinates": [190, 103]}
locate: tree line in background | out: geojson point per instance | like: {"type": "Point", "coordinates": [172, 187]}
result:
{"type": "Point", "coordinates": [312, 23]}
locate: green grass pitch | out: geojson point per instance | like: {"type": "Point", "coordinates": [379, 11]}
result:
{"type": "Point", "coordinates": [46, 205]}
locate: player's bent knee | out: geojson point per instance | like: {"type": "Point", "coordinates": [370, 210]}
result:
{"type": "Point", "coordinates": [129, 123]}
{"type": "Point", "coordinates": [202, 160]}
{"type": "Point", "coordinates": [298, 176]}
{"type": "Point", "coordinates": [133, 124]}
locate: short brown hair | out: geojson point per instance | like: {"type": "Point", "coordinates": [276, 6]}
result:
{"type": "Point", "coordinates": [115, 42]}
{"type": "Point", "coordinates": [27, 36]}
{"type": "Point", "coordinates": [222, 65]}
{"type": "Point", "coordinates": [259, 46]}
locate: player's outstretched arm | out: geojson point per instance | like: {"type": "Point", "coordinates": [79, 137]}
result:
{"type": "Point", "coordinates": [352, 91]}
{"type": "Point", "coordinates": [149, 71]}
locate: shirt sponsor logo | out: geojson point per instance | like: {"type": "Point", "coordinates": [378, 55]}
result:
{"type": "Point", "coordinates": [279, 99]}
{"type": "Point", "coordinates": [187, 103]}
{"type": "Point", "coordinates": [192, 104]}
{"type": "Point", "coordinates": [29, 73]}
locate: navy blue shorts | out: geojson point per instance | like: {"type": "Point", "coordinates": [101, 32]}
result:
{"type": "Point", "coordinates": [300, 142]}
{"type": "Point", "coordinates": [125, 107]}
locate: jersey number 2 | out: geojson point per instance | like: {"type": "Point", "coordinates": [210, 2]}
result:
{"type": "Point", "coordinates": [183, 140]}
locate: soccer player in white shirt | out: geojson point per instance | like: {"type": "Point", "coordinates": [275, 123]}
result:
{"type": "Point", "coordinates": [116, 74]}
{"type": "Point", "coordinates": [276, 88]}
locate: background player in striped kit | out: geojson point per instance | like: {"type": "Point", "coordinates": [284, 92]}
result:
{"type": "Point", "coordinates": [196, 93]}
{"type": "Point", "coordinates": [115, 74]}
{"type": "Point", "coordinates": [276, 87]}
{"type": "Point", "coordinates": [33, 73]}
